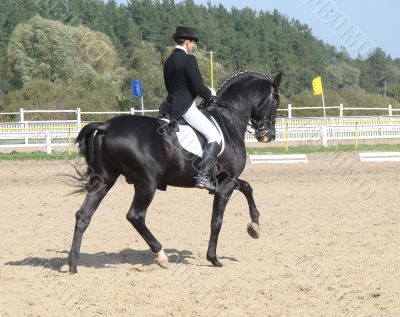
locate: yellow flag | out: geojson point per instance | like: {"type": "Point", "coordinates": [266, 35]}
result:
{"type": "Point", "coordinates": [317, 85]}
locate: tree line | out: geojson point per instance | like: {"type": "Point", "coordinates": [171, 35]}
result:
{"type": "Point", "coordinates": [93, 49]}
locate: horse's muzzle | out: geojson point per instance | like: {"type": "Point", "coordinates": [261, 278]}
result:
{"type": "Point", "coordinates": [266, 135]}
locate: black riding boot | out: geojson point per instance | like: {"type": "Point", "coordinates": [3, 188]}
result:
{"type": "Point", "coordinates": [208, 162]}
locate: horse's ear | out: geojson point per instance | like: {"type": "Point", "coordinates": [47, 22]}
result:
{"type": "Point", "coordinates": [277, 80]}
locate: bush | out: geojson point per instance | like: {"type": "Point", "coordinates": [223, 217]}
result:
{"type": "Point", "coordinates": [41, 94]}
{"type": "Point", "coordinates": [49, 50]}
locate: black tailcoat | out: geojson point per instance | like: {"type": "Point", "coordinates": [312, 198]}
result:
{"type": "Point", "coordinates": [183, 82]}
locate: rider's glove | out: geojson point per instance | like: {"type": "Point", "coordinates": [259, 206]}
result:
{"type": "Point", "coordinates": [213, 92]}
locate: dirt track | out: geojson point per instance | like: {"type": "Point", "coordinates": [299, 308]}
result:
{"type": "Point", "coordinates": [329, 246]}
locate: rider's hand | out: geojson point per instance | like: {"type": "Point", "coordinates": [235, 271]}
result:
{"type": "Point", "coordinates": [213, 92]}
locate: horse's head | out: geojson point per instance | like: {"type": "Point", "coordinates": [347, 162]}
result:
{"type": "Point", "coordinates": [263, 115]}
{"type": "Point", "coordinates": [253, 97]}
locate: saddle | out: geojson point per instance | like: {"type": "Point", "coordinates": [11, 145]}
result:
{"type": "Point", "coordinates": [189, 138]}
{"type": "Point", "coordinates": [164, 112]}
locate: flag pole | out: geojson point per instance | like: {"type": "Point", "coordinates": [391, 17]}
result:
{"type": "Point", "coordinates": [142, 105]}
{"type": "Point", "coordinates": [212, 69]}
{"type": "Point", "coordinates": [318, 90]}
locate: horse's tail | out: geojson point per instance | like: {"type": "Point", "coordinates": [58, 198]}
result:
{"type": "Point", "coordinates": [86, 137]}
{"type": "Point", "coordinates": [86, 144]}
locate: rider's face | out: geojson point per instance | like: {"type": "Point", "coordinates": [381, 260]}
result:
{"type": "Point", "coordinates": [190, 45]}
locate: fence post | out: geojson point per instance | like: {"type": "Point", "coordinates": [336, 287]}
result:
{"type": "Point", "coordinates": [21, 115]}
{"type": "Point", "coordinates": [23, 123]}
{"type": "Point", "coordinates": [69, 141]}
{"type": "Point", "coordinates": [324, 136]}
{"type": "Point", "coordinates": [78, 116]}
{"type": "Point", "coordinates": [132, 110]}
{"type": "Point", "coordinates": [390, 110]}
{"type": "Point", "coordinates": [289, 111]}
{"type": "Point", "coordinates": [341, 110]}
{"type": "Point", "coordinates": [48, 142]}
{"type": "Point", "coordinates": [142, 105]}
{"type": "Point", "coordinates": [356, 135]}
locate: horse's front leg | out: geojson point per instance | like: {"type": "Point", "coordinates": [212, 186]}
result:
{"type": "Point", "coordinates": [221, 198]}
{"type": "Point", "coordinates": [253, 228]}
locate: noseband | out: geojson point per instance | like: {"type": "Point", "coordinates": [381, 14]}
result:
{"type": "Point", "coordinates": [264, 126]}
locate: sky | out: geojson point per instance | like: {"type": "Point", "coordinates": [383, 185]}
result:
{"type": "Point", "coordinates": [357, 25]}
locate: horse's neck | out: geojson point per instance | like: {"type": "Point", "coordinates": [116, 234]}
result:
{"type": "Point", "coordinates": [231, 120]}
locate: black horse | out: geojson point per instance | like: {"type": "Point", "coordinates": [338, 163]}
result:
{"type": "Point", "coordinates": [148, 154]}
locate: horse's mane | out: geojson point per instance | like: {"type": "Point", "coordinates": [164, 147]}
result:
{"type": "Point", "coordinates": [239, 76]}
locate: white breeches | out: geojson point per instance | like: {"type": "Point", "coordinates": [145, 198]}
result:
{"type": "Point", "coordinates": [199, 122]}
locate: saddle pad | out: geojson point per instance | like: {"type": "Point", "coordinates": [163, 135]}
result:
{"type": "Point", "coordinates": [189, 140]}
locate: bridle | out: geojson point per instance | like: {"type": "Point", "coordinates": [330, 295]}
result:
{"type": "Point", "coordinates": [262, 127]}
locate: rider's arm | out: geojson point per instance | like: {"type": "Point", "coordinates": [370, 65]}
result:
{"type": "Point", "coordinates": [196, 81]}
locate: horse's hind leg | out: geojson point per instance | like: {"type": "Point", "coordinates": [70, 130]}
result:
{"type": "Point", "coordinates": [83, 217]}
{"type": "Point", "coordinates": [137, 217]}
{"type": "Point", "coordinates": [253, 228]}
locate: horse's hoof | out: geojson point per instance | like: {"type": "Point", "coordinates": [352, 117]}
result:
{"type": "Point", "coordinates": [73, 269]}
{"type": "Point", "coordinates": [215, 262]}
{"type": "Point", "coordinates": [64, 268]}
{"type": "Point", "coordinates": [162, 259]}
{"type": "Point", "coordinates": [253, 229]}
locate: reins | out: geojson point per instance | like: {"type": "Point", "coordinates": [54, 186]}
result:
{"type": "Point", "coordinates": [223, 123]}
{"type": "Point", "coordinates": [214, 102]}
{"type": "Point", "coordinates": [255, 124]}
{"type": "Point", "coordinates": [223, 105]}
{"type": "Point", "coordinates": [261, 125]}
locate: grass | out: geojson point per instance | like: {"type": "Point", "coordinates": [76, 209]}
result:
{"type": "Point", "coordinates": [36, 156]}
{"type": "Point", "coordinates": [40, 156]}
{"type": "Point", "coordinates": [321, 149]}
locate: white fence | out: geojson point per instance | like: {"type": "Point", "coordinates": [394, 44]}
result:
{"type": "Point", "coordinates": [341, 109]}
{"type": "Point", "coordinates": [335, 128]}
{"type": "Point", "coordinates": [21, 115]}
{"type": "Point", "coordinates": [62, 133]}
{"type": "Point", "coordinates": [77, 114]}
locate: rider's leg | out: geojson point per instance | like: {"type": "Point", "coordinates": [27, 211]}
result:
{"type": "Point", "coordinates": [204, 178]}
{"type": "Point", "coordinates": [199, 122]}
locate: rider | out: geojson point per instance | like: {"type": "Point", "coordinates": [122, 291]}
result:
{"type": "Point", "coordinates": [184, 83]}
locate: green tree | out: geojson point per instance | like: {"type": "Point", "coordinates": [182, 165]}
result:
{"type": "Point", "coordinates": [342, 75]}
{"type": "Point", "coordinates": [374, 71]}
{"type": "Point", "coordinates": [49, 50]}
{"type": "Point", "coordinates": [265, 42]}
{"type": "Point", "coordinates": [43, 94]}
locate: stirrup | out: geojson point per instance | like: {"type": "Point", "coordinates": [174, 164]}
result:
{"type": "Point", "coordinates": [173, 126]}
{"type": "Point", "coordinates": [203, 182]}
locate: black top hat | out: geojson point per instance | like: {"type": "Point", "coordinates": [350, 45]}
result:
{"type": "Point", "coordinates": [187, 33]}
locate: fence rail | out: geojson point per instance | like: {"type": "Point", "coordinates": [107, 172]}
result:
{"type": "Point", "coordinates": [341, 109]}
{"type": "Point", "coordinates": [310, 129]}
{"type": "Point", "coordinates": [49, 134]}
{"type": "Point", "coordinates": [20, 116]}
{"type": "Point", "coordinates": [61, 133]}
